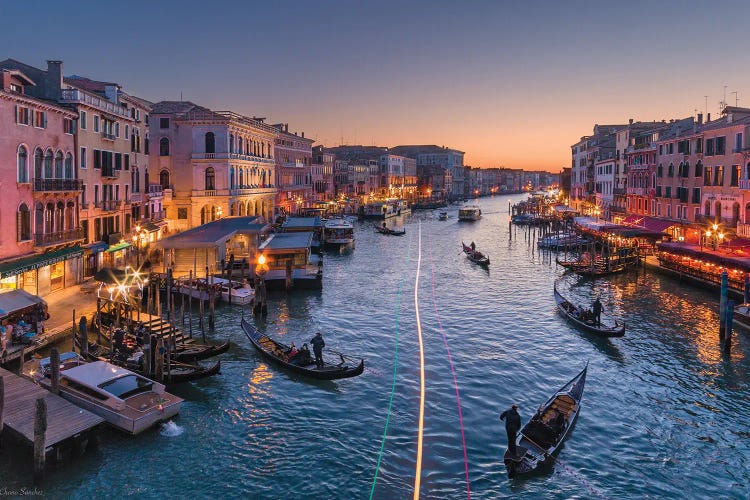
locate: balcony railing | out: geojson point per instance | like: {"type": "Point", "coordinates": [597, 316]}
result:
{"type": "Point", "coordinates": [57, 237]}
{"type": "Point", "coordinates": [619, 191]}
{"type": "Point", "coordinates": [108, 205]}
{"type": "Point", "coordinates": [135, 197]}
{"type": "Point", "coordinates": [75, 95]}
{"type": "Point", "coordinates": [158, 215]}
{"type": "Point", "coordinates": [744, 183]}
{"type": "Point", "coordinates": [209, 192]}
{"type": "Point", "coordinates": [50, 185]}
{"type": "Point", "coordinates": [107, 136]}
{"type": "Point", "coordinates": [252, 190]}
{"type": "Point", "coordinates": [231, 156]}
{"type": "Point", "coordinates": [743, 230]}
{"type": "Point", "coordinates": [110, 173]}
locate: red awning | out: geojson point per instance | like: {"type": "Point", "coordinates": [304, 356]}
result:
{"type": "Point", "coordinates": [650, 223]}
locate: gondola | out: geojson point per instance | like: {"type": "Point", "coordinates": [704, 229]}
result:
{"type": "Point", "coordinates": [389, 231]}
{"type": "Point", "coordinates": [581, 318]}
{"type": "Point", "coordinates": [179, 372]}
{"type": "Point", "coordinates": [476, 256]}
{"type": "Point", "coordinates": [182, 351]}
{"type": "Point", "coordinates": [276, 352]}
{"type": "Point", "coordinates": [540, 438]}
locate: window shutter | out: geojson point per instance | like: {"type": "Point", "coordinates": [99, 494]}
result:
{"type": "Point", "coordinates": [127, 161]}
{"type": "Point", "coordinates": [18, 119]}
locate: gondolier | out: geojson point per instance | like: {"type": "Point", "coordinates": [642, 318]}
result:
{"type": "Point", "coordinates": [597, 311]}
{"type": "Point", "coordinates": [318, 344]}
{"type": "Point", "coordinates": [512, 426]}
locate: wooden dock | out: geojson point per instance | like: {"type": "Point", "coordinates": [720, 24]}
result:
{"type": "Point", "coordinates": [66, 423]}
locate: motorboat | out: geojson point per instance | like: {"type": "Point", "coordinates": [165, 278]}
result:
{"type": "Point", "coordinates": [338, 232]}
{"type": "Point", "coordinates": [469, 213]}
{"type": "Point", "coordinates": [241, 291]}
{"type": "Point", "coordinates": [125, 400]}
{"type": "Point", "coordinates": [443, 215]}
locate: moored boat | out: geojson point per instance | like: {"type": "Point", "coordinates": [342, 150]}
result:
{"type": "Point", "coordinates": [541, 437]}
{"type": "Point", "coordinates": [476, 256]}
{"type": "Point", "coordinates": [584, 319]}
{"type": "Point", "coordinates": [302, 364]}
{"type": "Point", "coordinates": [125, 400]}
{"type": "Point", "coordinates": [443, 215]}
{"type": "Point", "coordinates": [241, 291]}
{"type": "Point", "coordinates": [338, 232]}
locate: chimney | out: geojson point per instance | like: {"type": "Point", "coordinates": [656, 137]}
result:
{"type": "Point", "coordinates": [286, 127]}
{"type": "Point", "coordinates": [700, 118]}
{"type": "Point", "coordinates": [53, 80]}
{"type": "Point", "coordinates": [303, 135]}
{"type": "Point", "coordinates": [708, 117]}
{"type": "Point", "coordinates": [110, 92]}
{"type": "Point", "coordinates": [630, 122]}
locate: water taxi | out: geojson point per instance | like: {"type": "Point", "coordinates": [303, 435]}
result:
{"type": "Point", "coordinates": [469, 213]}
{"type": "Point", "coordinates": [125, 400]}
{"type": "Point", "coordinates": [241, 291]}
{"type": "Point", "coordinates": [338, 232]}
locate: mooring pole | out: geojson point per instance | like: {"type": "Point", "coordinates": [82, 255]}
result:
{"type": "Point", "coordinates": [54, 360]}
{"type": "Point", "coordinates": [723, 303]}
{"type": "Point", "coordinates": [40, 428]}
{"type": "Point", "coordinates": [2, 408]}
{"type": "Point", "coordinates": [747, 289]}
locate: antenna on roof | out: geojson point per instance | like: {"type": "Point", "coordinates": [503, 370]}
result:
{"type": "Point", "coordinates": [180, 95]}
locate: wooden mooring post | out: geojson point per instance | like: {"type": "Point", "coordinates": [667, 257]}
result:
{"type": "Point", "coordinates": [723, 303]}
{"type": "Point", "coordinates": [84, 337]}
{"type": "Point", "coordinates": [54, 360]}
{"type": "Point", "coordinates": [190, 304]}
{"type": "Point", "coordinates": [2, 408]}
{"type": "Point", "coordinates": [728, 326]}
{"type": "Point", "coordinates": [73, 342]}
{"type": "Point", "coordinates": [40, 429]}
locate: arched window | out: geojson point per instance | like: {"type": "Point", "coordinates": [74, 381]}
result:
{"type": "Point", "coordinates": [69, 166]}
{"type": "Point", "coordinates": [210, 142]}
{"type": "Point", "coordinates": [699, 168]}
{"type": "Point", "coordinates": [145, 179]}
{"type": "Point", "coordinates": [231, 178]}
{"type": "Point", "coordinates": [59, 165]}
{"type": "Point", "coordinates": [717, 210]}
{"type": "Point", "coordinates": [707, 208]}
{"type": "Point", "coordinates": [231, 143]}
{"type": "Point", "coordinates": [70, 215]}
{"type": "Point", "coordinates": [39, 219]}
{"type": "Point", "coordinates": [269, 150]}
{"type": "Point", "coordinates": [239, 144]}
{"type": "Point", "coordinates": [163, 146]}
{"type": "Point", "coordinates": [38, 161]}
{"type": "Point", "coordinates": [48, 164]}
{"type": "Point", "coordinates": [23, 171]}
{"type": "Point", "coordinates": [210, 179]}
{"type": "Point", "coordinates": [23, 226]}
{"type": "Point", "coordinates": [164, 179]}
{"type": "Point", "coordinates": [59, 216]}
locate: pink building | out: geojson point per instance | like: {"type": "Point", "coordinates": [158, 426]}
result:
{"type": "Point", "coordinates": [40, 234]}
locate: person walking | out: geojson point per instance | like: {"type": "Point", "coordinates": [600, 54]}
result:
{"type": "Point", "coordinates": [512, 426]}
{"type": "Point", "coordinates": [597, 312]}
{"type": "Point", "coordinates": [318, 344]}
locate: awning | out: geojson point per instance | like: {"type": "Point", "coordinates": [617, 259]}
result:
{"type": "Point", "coordinates": [650, 223]}
{"type": "Point", "coordinates": [118, 247]}
{"type": "Point", "coordinates": [150, 227]}
{"type": "Point", "coordinates": [21, 266]}
{"type": "Point", "coordinates": [97, 247]}
{"type": "Point", "coordinates": [16, 300]}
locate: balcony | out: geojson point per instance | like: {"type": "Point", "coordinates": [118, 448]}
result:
{"type": "Point", "coordinates": [135, 197]}
{"type": "Point", "coordinates": [158, 215]}
{"type": "Point", "coordinates": [209, 192]}
{"type": "Point", "coordinates": [110, 173]}
{"type": "Point", "coordinates": [744, 183]}
{"type": "Point", "coordinates": [619, 191]}
{"type": "Point", "coordinates": [108, 205]}
{"type": "Point", "coordinates": [109, 137]}
{"type": "Point", "coordinates": [743, 230]}
{"type": "Point", "coordinates": [56, 185]}
{"type": "Point", "coordinates": [230, 156]}
{"type": "Point", "coordinates": [78, 96]}
{"type": "Point", "coordinates": [58, 237]}
{"type": "Point", "coordinates": [250, 190]}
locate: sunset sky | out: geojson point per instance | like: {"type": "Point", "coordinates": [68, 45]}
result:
{"type": "Point", "coordinates": [510, 83]}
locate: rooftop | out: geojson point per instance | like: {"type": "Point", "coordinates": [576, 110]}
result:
{"type": "Point", "coordinates": [213, 233]}
{"type": "Point", "coordinates": [287, 241]}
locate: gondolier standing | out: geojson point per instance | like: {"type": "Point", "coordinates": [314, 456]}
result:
{"type": "Point", "coordinates": [597, 311]}
{"type": "Point", "coordinates": [512, 426]}
{"type": "Point", "coordinates": [318, 344]}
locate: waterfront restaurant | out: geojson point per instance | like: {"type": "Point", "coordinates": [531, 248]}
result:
{"type": "Point", "coordinates": [704, 265]}
{"type": "Point", "coordinates": [291, 262]}
{"type": "Point", "coordinates": [206, 246]}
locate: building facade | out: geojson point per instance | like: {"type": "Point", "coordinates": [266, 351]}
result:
{"type": "Point", "coordinates": [211, 163]}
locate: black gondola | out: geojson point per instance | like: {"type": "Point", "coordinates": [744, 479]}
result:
{"type": "Point", "coordinates": [475, 256]}
{"type": "Point", "coordinates": [277, 352]}
{"type": "Point", "coordinates": [178, 372]}
{"type": "Point", "coordinates": [389, 231]}
{"type": "Point", "coordinates": [540, 438]}
{"type": "Point", "coordinates": [585, 321]}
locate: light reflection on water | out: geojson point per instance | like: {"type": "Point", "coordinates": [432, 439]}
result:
{"type": "Point", "coordinates": [664, 412]}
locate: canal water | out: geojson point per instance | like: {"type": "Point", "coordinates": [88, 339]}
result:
{"type": "Point", "coordinates": [664, 414]}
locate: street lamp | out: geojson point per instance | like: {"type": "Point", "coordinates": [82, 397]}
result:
{"type": "Point", "coordinates": [140, 236]}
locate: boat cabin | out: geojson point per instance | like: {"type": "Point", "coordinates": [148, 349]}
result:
{"type": "Point", "coordinates": [291, 261]}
